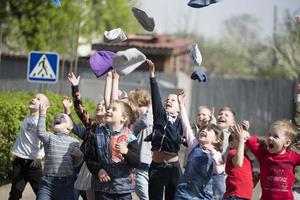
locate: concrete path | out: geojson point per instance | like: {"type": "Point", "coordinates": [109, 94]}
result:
{"type": "Point", "coordinates": [28, 193]}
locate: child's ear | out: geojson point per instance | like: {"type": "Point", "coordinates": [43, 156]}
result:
{"type": "Point", "coordinates": [287, 143]}
{"type": "Point", "coordinates": [124, 118]}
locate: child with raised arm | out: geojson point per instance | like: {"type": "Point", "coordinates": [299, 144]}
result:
{"type": "Point", "coordinates": [27, 165]}
{"type": "Point", "coordinates": [112, 152]}
{"type": "Point", "coordinates": [277, 162]}
{"type": "Point", "coordinates": [165, 139]}
{"type": "Point", "coordinates": [204, 157]}
{"type": "Point", "coordinates": [62, 154]}
{"type": "Point", "coordinates": [239, 180]}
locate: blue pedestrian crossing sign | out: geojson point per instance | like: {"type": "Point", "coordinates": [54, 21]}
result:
{"type": "Point", "coordinates": [43, 67]}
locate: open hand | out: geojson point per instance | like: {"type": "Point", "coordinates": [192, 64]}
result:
{"type": "Point", "coordinates": [245, 125]}
{"type": "Point", "coordinates": [181, 96]}
{"type": "Point", "coordinates": [73, 79]}
{"type": "Point", "coordinates": [67, 103]}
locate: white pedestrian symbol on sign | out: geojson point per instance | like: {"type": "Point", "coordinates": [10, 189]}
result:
{"type": "Point", "coordinates": [43, 69]}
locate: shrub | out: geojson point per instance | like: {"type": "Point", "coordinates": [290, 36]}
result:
{"type": "Point", "coordinates": [13, 109]}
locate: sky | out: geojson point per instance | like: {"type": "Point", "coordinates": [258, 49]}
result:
{"type": "Point", "coordinates": [172, 16]}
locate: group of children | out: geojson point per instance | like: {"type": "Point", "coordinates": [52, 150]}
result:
{"type": "Point", "coordinates": [132, 144]}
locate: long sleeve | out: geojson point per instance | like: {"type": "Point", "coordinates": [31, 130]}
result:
{"type": "Point", "coordinates": [77, 160]}
{"type": "Point", "coordinates": [91, 157]}
{"type": "Point", "coordinates": [254, 146]}
{"type": "Point", "coordinates": [141, 123]}
{"type": "Point", "coordinates": [79, 109]}
{"type": "Point", "coordinates": [133, 154]}
{"type": "Point", "coordinates": [187, 129]}
{"type": "Point", "coordinates": [41, 129]}
{"type": "Point", "coordinates": [157, 105]}
{"type": "Point", "coordinates": [218, 164]}
{"type": "Point", "coordinates": [78, 130]}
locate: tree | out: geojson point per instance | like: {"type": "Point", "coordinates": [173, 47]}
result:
{"type": "Point", "coordinates": [39, 25]}
{"type": "Point", "coordinates": [286, 46]}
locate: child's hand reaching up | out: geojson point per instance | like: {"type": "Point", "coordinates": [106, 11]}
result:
{"type": "Point", "coordinates": [73, 80]}
{"type": "Point", "coordinates": [43, 108]}
{"type": "Point", "coordinates": [151, 68]}
{"type": "Point", "coordinates": [181, 96]}
{"type": "Point", "coordinates": [67, 103]}
{"type": "Point", "coordinates": [246, 125]}
{"type": "Point", "coordinates": [103, 176]}
{"type": "Point", "coordinates": [115, 74]}
{"type": "Point", "coordinates": [239, 132]}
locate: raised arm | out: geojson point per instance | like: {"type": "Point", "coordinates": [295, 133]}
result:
{"type": "Point", "coordinates": [186, 126]}
{"type": "Point", "coordinates": [157, 106]}
{"type": "Point", "coordinates": [78, 106]}
{"type": "Point", "coordinates": [41, 129]}
{"type": "Point", "coordinates": [115, 86]}
{"type": "Point", "coordinates": [107, 89]}
{"type": "Point", "coordinates": [78, 130]}
{"type": "Point", "coordinates": [238, 158]}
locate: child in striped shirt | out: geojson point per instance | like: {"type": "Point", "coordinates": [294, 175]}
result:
{"type": "Point", "coordinates": [62, 155]}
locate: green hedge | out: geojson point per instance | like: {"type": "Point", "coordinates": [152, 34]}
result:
{"type": "Point", "coordinates": [13, 109]}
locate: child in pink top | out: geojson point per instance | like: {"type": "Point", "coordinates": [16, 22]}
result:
{"type": "Point", "coordinates": [277, 161]}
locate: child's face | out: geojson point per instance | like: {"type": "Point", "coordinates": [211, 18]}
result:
{"type": "Point", "coordinates": [100, 109]}
{"type": "Point", "coordinates": [61, 124]}
{"type": "Point", "coordinates": [171, 104]}
{"type": "Point", "coordinates": [35, 102]}
{"type": "Point", "coordinates": [114, 114]}
{"type": "Point", "coordinates": [277, 141]}
{"type": "Point", "coordinates": [225, 119]}
{"type": "Point", "coordinates": [207, 136]}
{"type": "Point", "coordinates": [203, 116]}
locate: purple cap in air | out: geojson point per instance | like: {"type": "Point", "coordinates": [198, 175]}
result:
{"type": "Point", "coordinates": [101, 62]}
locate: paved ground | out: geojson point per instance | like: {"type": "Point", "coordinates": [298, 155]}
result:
{"type": "Point", "coordinates": [29, 195]}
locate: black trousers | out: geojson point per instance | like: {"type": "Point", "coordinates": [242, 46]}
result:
{"type": "Point", "coordinates": [163, 176]}
{"type": "Point", "coordinates": [22, 174]}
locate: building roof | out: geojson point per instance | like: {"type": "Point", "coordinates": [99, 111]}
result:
{"type": "Point", "coordinates": [149, 44]}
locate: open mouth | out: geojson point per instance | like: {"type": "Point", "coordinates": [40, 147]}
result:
{"type": "Point", "coordinates": [222, 120]}
{"type": "Point", "coordinates": [271, 146]}
{"type": "Point", "coordinates": [57, 121]}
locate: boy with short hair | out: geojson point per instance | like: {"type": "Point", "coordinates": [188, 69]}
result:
{"type": "Point", "coordinates": [62, 155]}
{"type": "Point", "coordinates": [277, 162]}
{"type": "Point", "coordinates": [27, 164]}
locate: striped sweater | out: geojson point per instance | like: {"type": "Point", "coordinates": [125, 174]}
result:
{"type": "Point", "coordinates": [59, 161]}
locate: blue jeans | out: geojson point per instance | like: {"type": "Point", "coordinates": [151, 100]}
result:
{"type": "Point", "coordinates": [58, 188]}
{"type": "Point", "coordinates": [219, 186]}
{"type": "Point", "coordinates": [141, 181]}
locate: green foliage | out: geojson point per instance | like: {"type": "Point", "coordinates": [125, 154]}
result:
{"type": "Point", "coordinates": [13, 109]}
{"type": "Point", "coordinates": [241, 52]}
{"type": "Point", "coordinates": [39, 25]}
